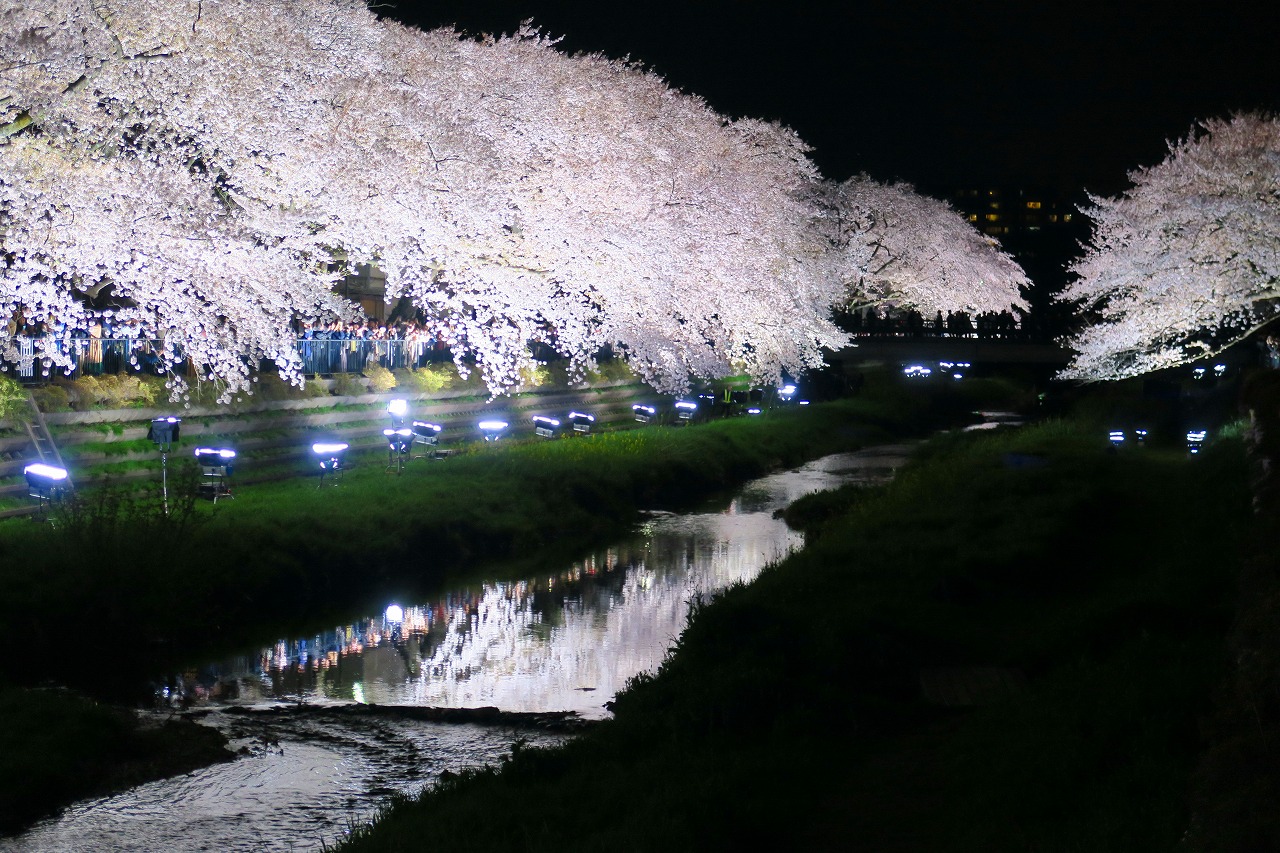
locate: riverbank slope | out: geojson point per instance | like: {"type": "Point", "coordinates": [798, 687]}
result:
{"type": "Point", "coordinates": [1013, 646]}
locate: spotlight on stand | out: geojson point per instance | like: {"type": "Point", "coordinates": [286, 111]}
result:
{"type": "Point", "coordinates": [332, 455]}
{"type": "Point", "coordinates": [394, 614]}
{"type": "Point", "coordinates": [685, 410]}
{"type": "Point", "coordinates": [644, 414]}
{"type": "Point", "coordinates": [428, 437]}
{"type": "Point", "coordinates": [1140, 435]}
{"type": "Point", "coordinates": [754, 410]}
{"type": "Point", "coordinates": [164, 433]}
{"type": "Point", "coordinates": [1195, 440]}
{"type": "Point", "coordinates": [545, 427]}
{"type": "Point", "coordinates": [399, 442]}
{"type": "Point", "coordinates": [581, 422]}
{"type": "Point", "coordinates": [45, 483]}
{"type": "Point", "coordinates": [787, 393]}
{"type": "Point", "coordinates": [216, 465]}
{"type": "Point", "coordinates": [1116, 437]}
{"type": "Point", "coordinates": [492, 430]}
{"type": "Point", "coordinates": [397, 409]}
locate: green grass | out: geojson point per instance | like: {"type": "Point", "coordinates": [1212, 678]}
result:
{"type": "Point", "coordinates": [791, 712]}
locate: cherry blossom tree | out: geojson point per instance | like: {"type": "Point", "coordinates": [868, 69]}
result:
{"type": "Point", "coordinates": [1187, 262]}
{"type": "Point", "coordinates": [896, 247]}
{"type": "Point", "coordinates": [220, 163]}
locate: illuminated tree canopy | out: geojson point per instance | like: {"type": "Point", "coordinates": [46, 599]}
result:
{"type": "Point", "coordinates": [219, 164]}
{"type": "Point", "coordinates": [1187, 262]}
{"type": "Point", "coordinates": [896, 247]}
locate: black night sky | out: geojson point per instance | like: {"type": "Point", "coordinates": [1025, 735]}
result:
{"type": "Point", "coordinates": [941, 95]}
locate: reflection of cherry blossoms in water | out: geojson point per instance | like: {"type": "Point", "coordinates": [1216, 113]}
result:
{"type": "Point", "coordinates": [550, 643]}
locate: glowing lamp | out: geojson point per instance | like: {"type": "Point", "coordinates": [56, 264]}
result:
{"type": "Point", "coordinates": [45, 483]}
{"type": "Point", "coordinates": [397, 409]}
{"type": "Point", "coordinates": [331, 455]}
{"type": "Point", "coordinates": [45, 477]}
{"type": "Point", "coordinates": [786, 392]}
{"type": "Point", "coordinates": [1195, 440]}
{"type": "Point", "coordinates": [544, 426]}
{"type": "Point", "coordinates": [1116, 437]}
{"type": "Point", "coordinates": [398, 439]}
{"type": "Point", "coordinates": [754, 410]}
{"type": "Point", "coordinates": [492, 430]}
{"type": "Point", "coordinates": [428, 436]}
{"type": "Point", "coordinates": [395, 613]}
{"type": "Point", "coordinates": [581, 421]}
{"type": "Point", "coordinates": [644, 414]}
{"type": "Point", "coordinates": [164, 431]}
{"type": "Point", "coordinates": [685, 410]}
{"type": "Point", "coordinates": [916, 371]}
{"type": "Point", "coordinates": [216, 465]}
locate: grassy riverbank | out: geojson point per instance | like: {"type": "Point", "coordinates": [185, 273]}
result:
{"type": "Point", "coordinates": [119, 581]}
{"type": "Point", "coordinates": [1011, 647]}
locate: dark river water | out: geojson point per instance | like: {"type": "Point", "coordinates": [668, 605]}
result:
{"type": "Point", "coordinates": [567, 641]}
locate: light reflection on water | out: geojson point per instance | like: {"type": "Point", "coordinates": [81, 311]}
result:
{"type": "Point", "coordinates": [566, 642]}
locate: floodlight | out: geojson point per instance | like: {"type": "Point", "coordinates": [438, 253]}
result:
{"type": "Point", "coordinates": [1198, 373]}
{"type": "Point", "coordinates": [786, 392]}
{"type": "Point", "coordinates": [685, 410]}
{"type": "Point", "coordinates": [492, 429]}
{"type": "Point", "coordinates": [804, 402]}
{"type": "Point", "coordinates": [544, 426]}
{"type": "Point", "coordinates": [395, 613]}
{"type": "Point", "coordinates": [331, 455]}
{"type": "Point", "coordinates": [754, 410]}
{"type": "Point", "coordinates": [1195, 440]}
{"type": "Point", "coordinates": [46, 482]}
{"type": "Point", "coordinates": [399, 442]}
{"type": "Point", "coordinates": [1116, 437]}
{"type": "Point", "coordinates": [428, 436]}
{"type": "Point", "coordinates": [1219, 369]}
{"type": "Point", "coordinates": [644, 414]}
{"type": "Point", "coordinates": [216, 465]}
{"type": "Point", "coordinates": [397, 409]}
{"type": "Point", "coordinates": [582, 422]}
{"type": "Point", "coordinates": [1141, 435]}
{"type": "Point", "coordinates": [915, 371]}
{"type": "Point", "coordinates": [164, 431]}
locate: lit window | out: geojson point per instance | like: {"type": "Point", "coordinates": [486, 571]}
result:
{"type": "Point", "coordinates": [1066, 217]}
{"type": "Point", "coordinates": [992, 217]}
{"type": "Point", "coordinates": [995, 205]}
{"type": "Point", "coordinates": [1033, 205]}
{"type": "Point", "coordinates": [1053, 217]}
{"type": "Point", "coordinates": [973, 217]}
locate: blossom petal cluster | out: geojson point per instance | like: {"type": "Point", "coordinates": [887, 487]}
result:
{"type": "Point", "coordinates": [1187, 262]}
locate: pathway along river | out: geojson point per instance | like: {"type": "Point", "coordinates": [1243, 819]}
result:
{"type": "Point", "coordinates": [567, 642]}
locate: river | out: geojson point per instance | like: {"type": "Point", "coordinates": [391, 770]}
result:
{"type": "Point", "coordinates": [565, 641]}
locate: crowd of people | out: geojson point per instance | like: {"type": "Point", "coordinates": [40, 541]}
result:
{"type": "Point", "coordinates": [115, 345]}
{"type": "Point", "coordinates": [986, 325]}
